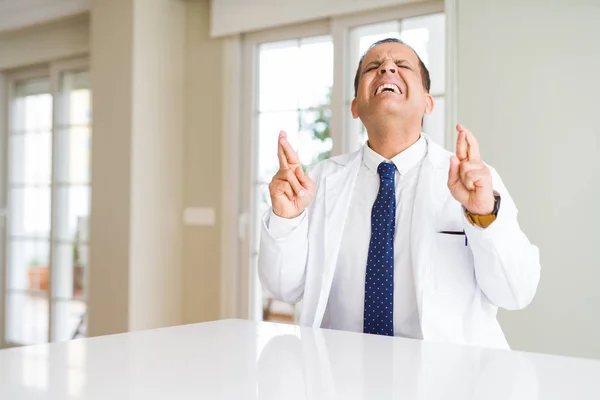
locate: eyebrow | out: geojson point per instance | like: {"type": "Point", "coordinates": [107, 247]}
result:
{"type": "Point", "coordinates": [375, 63]}
{"type": "Point", "coordinates": [396, 61]}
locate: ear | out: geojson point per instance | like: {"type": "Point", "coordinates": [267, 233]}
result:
{"type": "Point", "coordinates": [353, 109]}
{"type": "Point", "coordinates": [429, 104]}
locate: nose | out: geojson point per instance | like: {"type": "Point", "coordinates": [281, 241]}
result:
{"type": "Point", "coordinates": [387, 67]}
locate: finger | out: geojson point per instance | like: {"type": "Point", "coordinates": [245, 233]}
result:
{"type": "Point", "coordinates": [298, 188]}
{"type": "Point", "coordinates": [473, 147]}
{"type": "Point", "coordinates": [461, 144]}
{"type": "Point", "coordinates": [289, 193]}
{"type": "Point", "coordinates": [290, 154]}
{"type": "Point", "coordinates": [290, 177]}
{"type": "Point", "coordinates": [303, 178]}
{"type": "Point", "coordinates": [283, 187]}
{"type": "Point", "coordinates": [467, 166]}
{"type": "Point", "coordinates": [283, 163]}
{"type": "Point", "coordinates": [476, 178]}
{"type": "Point", "coordinates": [453, 173]}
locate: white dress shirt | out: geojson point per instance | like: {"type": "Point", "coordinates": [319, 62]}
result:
{"type": "Point", "coordinates": [345, 306]}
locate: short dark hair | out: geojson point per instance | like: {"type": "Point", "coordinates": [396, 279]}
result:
{"type": "Point", "coordinates": [423, 69]}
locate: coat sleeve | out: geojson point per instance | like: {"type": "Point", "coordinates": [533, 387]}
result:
{"type": "Point", "coordinates": [283, 252]}
{"type": "Point", "coordinates": [507, 265]}
{"type": "Point", "coordinates": [282, 260]}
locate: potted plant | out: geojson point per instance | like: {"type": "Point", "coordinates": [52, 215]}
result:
{"type": "Point", "coordinates": [77, 270]}
{"type": "Point", "coordinates": [37, 275]}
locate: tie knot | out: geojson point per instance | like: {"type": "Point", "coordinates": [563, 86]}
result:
{"type": "Point", "coordinates": [386, 170]}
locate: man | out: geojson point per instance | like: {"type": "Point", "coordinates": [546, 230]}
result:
{"type": "Point", "coordinates": [401, 237]}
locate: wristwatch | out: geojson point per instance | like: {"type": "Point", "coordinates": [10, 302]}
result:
{"type": "Point", "coordinates": [484, 221]}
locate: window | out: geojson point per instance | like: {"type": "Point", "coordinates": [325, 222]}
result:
{"type": "Point", "coordinates": [72, 195]}
{"type": "Point", "coordinates": [48, 204]}
{"type": "Point", "coordinates": [29, 187]}
{"type": "Point", "coordinates": [295, 78]}
{"type": "Point", "coordinates": [300, 79]}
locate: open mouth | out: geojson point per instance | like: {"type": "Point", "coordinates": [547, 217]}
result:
{"type": "Point", "coordinates": [388, 87]}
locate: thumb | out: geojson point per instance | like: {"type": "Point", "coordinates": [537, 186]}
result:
{"type": "Point", "coordinates": [453, 174]}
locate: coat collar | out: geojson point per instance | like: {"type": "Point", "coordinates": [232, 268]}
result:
{"type": "Point", "coordinates": [437, 156]}
{"type": "Point", "coordinates": [403, 161]}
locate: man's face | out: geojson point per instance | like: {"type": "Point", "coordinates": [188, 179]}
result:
{"type": "Point", "coordinates": [390, 85]}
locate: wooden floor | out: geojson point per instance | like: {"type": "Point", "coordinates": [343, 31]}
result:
{"type": "Point", "coordinates": [278, 311]}
{"type": "Point", "coordinates": [281, 318]}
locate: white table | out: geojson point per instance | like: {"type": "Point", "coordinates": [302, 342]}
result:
{"type": "Point", "coordinates": [237, 359]}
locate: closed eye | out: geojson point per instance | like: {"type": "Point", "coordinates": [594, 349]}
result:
{"type": "Point", "coordinates": [372, 65]}
{"type": "Point", "coordinates": [401, 63]}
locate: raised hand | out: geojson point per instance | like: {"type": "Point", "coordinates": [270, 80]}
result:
{"type": "Point", "coordinates": [291, 189]}
{"type": "Point", "coordinates": [469, 179]}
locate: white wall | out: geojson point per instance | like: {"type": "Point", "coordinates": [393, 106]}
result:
{"type": "Point", "coordinates": [238, 16]}
{"type": "Point", "coordinates": [17, 14]}
{"type": "Point", "coordinates": [204, 77]}
{"type": "Point", "coordinates": [157, 164]}
{"type": "Point", "coordinates": [137, 65]}
{"type": "Point", "coordinates": [112, 70]}
{"type": "Point", "coordinates": [45, 42]}
{"type": "Point", "coordinates": [529, 89]}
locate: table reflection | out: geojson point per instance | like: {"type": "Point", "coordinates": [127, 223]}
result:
{"type": "Point", "coordinates": [326, 364]}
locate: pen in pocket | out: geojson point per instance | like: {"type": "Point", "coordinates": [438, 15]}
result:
{"type": "Point", "coordinates": [461, 233]}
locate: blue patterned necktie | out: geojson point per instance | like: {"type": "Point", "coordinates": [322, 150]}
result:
{"type": "Point", "coordinates": [379, 279]}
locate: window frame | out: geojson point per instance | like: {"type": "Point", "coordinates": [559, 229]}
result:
{"type": "Point", "coordinates": [4, 101]}
{"type": "Point", "coordinates": [8, 82]}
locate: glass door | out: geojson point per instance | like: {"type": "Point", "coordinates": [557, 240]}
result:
{"type": "Point", "coordinates": [71, 211]}
{"type": "Point", "coordinates": [48, 190]}
{"type": "Point", "coordinates": [300, 79]}
{"type": "Point", "coordinates": [295, 79]}
{"type": "Point", "coordinates": [28, 217]}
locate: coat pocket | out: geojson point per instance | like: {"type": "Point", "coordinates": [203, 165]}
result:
{"type": "Point", "coordinates": [453, 264]}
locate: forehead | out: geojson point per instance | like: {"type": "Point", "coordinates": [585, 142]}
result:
{"type": "Point", "coordinates": [392, 51]}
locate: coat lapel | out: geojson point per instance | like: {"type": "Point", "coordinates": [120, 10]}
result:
{"type": "Point", "coordinates": [338, 192]}
{"type": "Point", "coordinates": [430, 196]}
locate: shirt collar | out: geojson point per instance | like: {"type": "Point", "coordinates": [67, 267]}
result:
{"type": "Point", "coordinates": [403, 161]}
